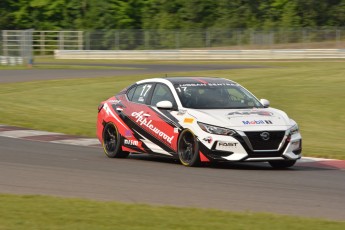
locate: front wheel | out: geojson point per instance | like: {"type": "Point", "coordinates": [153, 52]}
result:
{"type": "Point", "coordinates": [188, 149]}
{"type": "Point", "coordinates": [282, 164]}
{"type": "Point", "coordinates": [112, 142]}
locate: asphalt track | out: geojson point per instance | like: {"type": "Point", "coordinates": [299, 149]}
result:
{"type": "Point", "coordinates": [31, 167]}
{"type": "Point", "coordinates": [7, 76]}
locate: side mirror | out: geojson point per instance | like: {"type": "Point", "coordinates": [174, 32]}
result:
{"type": "Point", "coordinates": [265, 102]}
{"type": "Point", "coordinates": [164, 105]}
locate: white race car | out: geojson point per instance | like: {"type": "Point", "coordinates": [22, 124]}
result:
{"type": "Point", "coordinates": [197, 119]}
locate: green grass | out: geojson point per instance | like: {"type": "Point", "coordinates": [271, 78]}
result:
{"type": "Point", "coordinates": [43, 212]}
{"type": "Point", "coordinates": [66, 66]}
{"type": "Point", "coordinates": [312, 93]}
{"type": "Point", "coordinates": [5, 67]}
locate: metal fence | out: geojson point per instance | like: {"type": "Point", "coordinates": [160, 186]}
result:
{"type": "Point", "coordinates": [45, 42]}
{"type": "Point", "coordinates": [16, 47]}
{"type": "Point", "coordinates": [235, 39]}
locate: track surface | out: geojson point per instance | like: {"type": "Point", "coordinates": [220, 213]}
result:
{"type": "Point", "coordinates": [31, 167]}
{"type": "Point", "coordinates": [50, 74]}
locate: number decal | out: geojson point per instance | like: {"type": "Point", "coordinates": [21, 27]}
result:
{"type": "Point", "coordinates": [183, 88]}
{"type": "Point", "coordinates": [146, 88]}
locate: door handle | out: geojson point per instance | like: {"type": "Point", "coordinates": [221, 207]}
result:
{"type": "Point", "coordinates": [146, 115]}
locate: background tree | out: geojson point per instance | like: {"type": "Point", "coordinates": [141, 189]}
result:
{"type": "Point", "coordinates": [6, 14]}
{"type": "Point", "coordinates": [169, 14]}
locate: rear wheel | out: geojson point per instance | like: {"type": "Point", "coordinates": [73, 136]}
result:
{"type": "Point", "coordinates": [282, 164]}
{"type": "Point", "coordinates": [112, 142]}
{"type": "Point", "coordinates": [188, 149]}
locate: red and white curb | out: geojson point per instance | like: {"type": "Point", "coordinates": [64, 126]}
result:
{"type": "Point", "coordinates": [60, 138]}
{"type": "Point", "coordinates": [44, 136]}
{"type": "Point", "coordinates": [322, 163]}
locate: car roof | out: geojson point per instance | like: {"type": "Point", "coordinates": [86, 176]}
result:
{"type": "Point", "coordinates": [188, 80]}
{"type": "Point", "coordinates": [198, 80]}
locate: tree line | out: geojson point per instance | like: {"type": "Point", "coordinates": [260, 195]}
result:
{"type": "Point", "coordinates": [169, 14]}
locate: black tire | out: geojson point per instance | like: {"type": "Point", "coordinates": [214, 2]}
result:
{"type": "Point", "coordinates": [112, 142]}
{"type": "Point", "coordinates": [188, 149]}
{"type": "Point", "coordinates": [282, 164]}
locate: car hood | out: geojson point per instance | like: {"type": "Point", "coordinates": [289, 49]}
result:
{"type": "Point", "coordinates": [243, 119]}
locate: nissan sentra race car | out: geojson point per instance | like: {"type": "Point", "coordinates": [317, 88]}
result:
{"type": "Point", "coordinates": [197, 119]}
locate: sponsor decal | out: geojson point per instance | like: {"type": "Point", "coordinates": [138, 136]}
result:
{"type": "Point", "coordinates": [188, 120]}
{"type": "Point", "coordinates": [181, 112]}
{"type": "Point", "coordinates": [130, 142]}
{"type": "Point", "coordinates": [258, 122]}
{"type": "Point", "coordinates": [208, 139]}
{"type": "Point", "coordinates": [175, 130]}
{"type": "Point", "coordinates": [146, 124]}
{"type": "Point", "coordinates": [227, 144]}
{"type": "Point", "coordinates": [220, 84]}
{"type": "Point", "coordinates": [260, 113]}
{"type": "Point", "coordinates": [205, 84]}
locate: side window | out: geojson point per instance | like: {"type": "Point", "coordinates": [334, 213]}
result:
{"type": "Point", "coordinates": [162, 93]}
{"type": "Point", "coordinates": [130, 93]}
{"type": "Point", "coordinates": [141, 93]}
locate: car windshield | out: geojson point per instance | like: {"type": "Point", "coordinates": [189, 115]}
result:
{"type": "Point", "coordinates": [216, 96]}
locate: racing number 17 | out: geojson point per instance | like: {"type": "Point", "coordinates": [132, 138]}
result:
{"type": "Point", "coordinates": [146, 88]}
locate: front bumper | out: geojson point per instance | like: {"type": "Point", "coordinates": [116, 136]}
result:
{"type": "Point", "coordinates": [246, 147]}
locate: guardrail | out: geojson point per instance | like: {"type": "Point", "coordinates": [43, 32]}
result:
{"type": "Point", "coordinates": [200, 54]}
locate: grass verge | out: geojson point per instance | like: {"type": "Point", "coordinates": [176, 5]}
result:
{"type": "Point", "coordinates": [312, 93]}
{"type": "Point", "coordinates": [44, 212]}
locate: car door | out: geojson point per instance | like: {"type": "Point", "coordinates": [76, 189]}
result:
{"type": "Point", "coordinates": [167, 125]}
{"type": "Point", "coordinates": [145, 121]}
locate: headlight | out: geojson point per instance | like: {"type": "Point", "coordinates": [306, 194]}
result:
{"type": "Point", "coordinates": [294, 129]}
{"type": "Point", "coordinates": [216, 130]}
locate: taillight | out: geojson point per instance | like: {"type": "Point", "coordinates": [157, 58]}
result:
{"type": "Point", "coordinates": [100, 107]}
